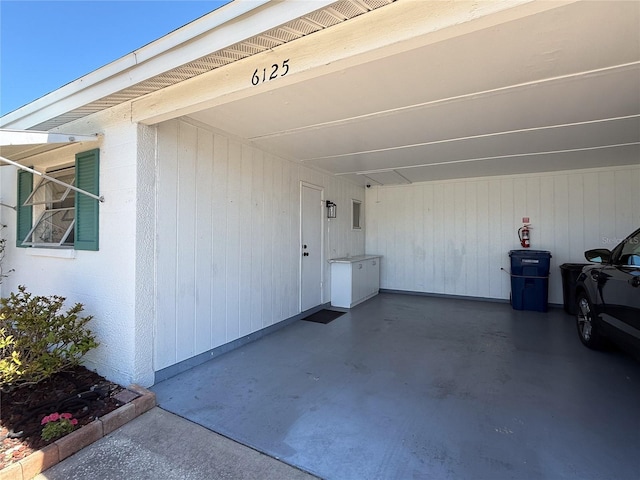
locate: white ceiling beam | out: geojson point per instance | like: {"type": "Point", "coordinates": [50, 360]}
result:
{"type": "Point", "coordinates": [474, 137]}
{"type": "Point", "coordinates": [492, 157]}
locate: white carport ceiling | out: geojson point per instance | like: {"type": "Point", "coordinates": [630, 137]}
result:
{"type": "Point", "coordinates": [552, 91]}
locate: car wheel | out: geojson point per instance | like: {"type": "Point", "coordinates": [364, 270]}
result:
{"type": "Point", "coordinates": [587, 323]}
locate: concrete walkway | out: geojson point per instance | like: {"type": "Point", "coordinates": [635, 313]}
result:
{"type": "Point", "coordinates": [161, 445]}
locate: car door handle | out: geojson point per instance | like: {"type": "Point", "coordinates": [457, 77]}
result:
{"type": "Point", "coordinates": [635, 282]}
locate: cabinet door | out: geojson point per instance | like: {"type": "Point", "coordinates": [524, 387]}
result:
{"type": "Point", "coordinates": [359, 281]}
{"type": "Point", "coordinates": [377, 275]}
{"type": "Point", "coordinates": [373, 276]}
{"type": "Point", "coordinates": [341, 285]}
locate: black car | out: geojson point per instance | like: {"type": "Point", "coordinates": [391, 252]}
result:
{"type": "Point", "coordinates": [608, 295]}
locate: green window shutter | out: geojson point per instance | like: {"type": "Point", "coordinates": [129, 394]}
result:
{"type": "Point", "coordinates": [87, 178]}
{"type": "Point", "coordinates": [25, 214]}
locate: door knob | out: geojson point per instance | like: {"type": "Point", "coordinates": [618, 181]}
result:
{"type": "Point", "coordinates": [304, 246]}
{"type": "Point", "coordinates": [305, 254]}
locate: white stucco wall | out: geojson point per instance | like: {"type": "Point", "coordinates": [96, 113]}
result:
{"type": "Point", "coordinates": [452, 237]}
{"type": "Point", "coordinates": [104, 281]}
{"type": "Point", "coordinates": [144, 311]}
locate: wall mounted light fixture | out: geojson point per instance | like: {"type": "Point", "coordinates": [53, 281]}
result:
{"type": "Point", "coordinates": [331, 209]}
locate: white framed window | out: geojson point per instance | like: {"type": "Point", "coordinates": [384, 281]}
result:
{"type": "Point", "coordinates": [356, 214]}
{"type": "Point", "coordinates": [63, 217]}
{"type": "Point", "coordinates": [48, 192]}
{"type": "Point", "coordinates": [55, 205]}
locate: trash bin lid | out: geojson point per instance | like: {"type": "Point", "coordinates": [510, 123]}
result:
{"type": "Point", "coordinates": [526, 253]}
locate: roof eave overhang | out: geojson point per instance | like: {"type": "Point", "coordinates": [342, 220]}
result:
{"type": "Point", "coordinates": [191, 50]}
{"type": "Point", "coordinates": [221, 28]}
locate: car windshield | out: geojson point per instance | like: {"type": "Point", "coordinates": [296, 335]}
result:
{"type": "Point", "coordinates": [629, 251]}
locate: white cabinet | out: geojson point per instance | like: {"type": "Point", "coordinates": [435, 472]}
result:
{"type": "Point", "coordinates": [354, 279]}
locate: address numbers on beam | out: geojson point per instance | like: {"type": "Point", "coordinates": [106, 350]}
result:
{"type": "Point", "coordinates": [270, 73]}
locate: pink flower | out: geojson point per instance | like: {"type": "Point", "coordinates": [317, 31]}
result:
{"type": "Point", "coordinates": [66, 416]}
{"type": "Point", "coordinates": [74, 421]}
{"type": "Point", "coordinates": [45, 420]}
{"type": "Point", "coordinates": [54, 417]}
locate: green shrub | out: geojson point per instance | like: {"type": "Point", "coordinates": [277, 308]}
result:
{"type": "Point", "coordinates": [38, 339]}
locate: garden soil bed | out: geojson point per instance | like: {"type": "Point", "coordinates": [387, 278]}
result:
{"type": "Point", "coordinates": [79, 391]}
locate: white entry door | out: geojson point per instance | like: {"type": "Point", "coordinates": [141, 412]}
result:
{"type": "Point", "coordinates": [310, 246]}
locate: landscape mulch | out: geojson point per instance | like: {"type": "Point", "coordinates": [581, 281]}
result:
{"type": "Point", "coordinates": [79, 391]}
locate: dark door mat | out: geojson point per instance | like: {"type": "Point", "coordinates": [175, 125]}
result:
{"type": "Point", "coordinates": [323, 316]}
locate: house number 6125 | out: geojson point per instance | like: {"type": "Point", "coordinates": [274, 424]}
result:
{"type": "Point", "coordinates": [261, 76]}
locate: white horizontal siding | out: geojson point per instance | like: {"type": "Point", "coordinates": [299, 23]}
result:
{"type": "Point", "coordinates": [453, 237]}
{"type": "Point", "coordinates": [227, 239]}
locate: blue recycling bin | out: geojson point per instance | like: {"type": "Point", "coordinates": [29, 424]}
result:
{"type": "Point", "coordinates": [530, 279]}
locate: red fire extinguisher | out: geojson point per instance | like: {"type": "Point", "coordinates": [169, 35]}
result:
{"type": "Point", "coordinates": [523, 234]}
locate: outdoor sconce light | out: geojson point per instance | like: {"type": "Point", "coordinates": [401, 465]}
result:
{"type": "Point", "coordinates": [331, 209]}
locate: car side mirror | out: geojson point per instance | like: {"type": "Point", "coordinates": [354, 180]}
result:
{"type": "Point", "coordinates": [598, 255]}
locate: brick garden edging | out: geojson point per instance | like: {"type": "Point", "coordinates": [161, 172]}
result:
{"type": "Point", "coordinates": [39, 461]}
